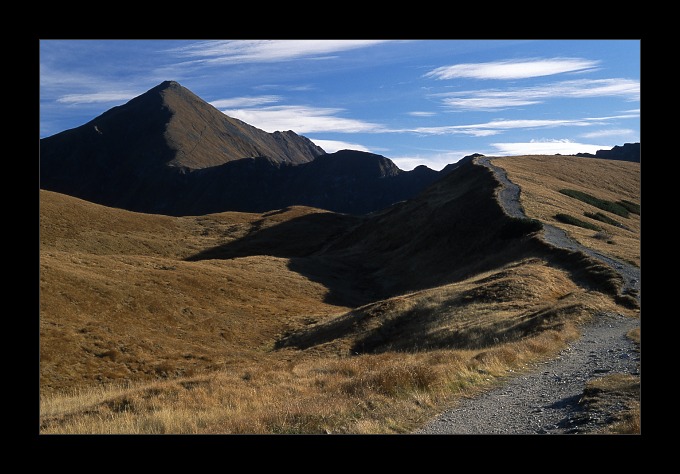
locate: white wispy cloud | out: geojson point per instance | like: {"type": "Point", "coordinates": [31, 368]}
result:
{"type": "Point", "coordinates": [618, 132]}
{"type": "Point", "coordinates": [305, 119]}
{"type": "Point", "coordinates": [487, 102]}
{"type": "Point", "coordinates": [267, 50]}
{"type": "Point", "coordinates": [546, 147]}
{"type": "Point", "coordinates": [435, 161]}
{"type": "Point", "coordinates": [512, 69]}
{"type": "Point", "coordinates": [495, 127]}
{"type": "Point", "coordinates": [331, 146]}
{"type": "Point", "coordinates": [54, 78]}
{"type": "Point", "coordinates": [96, 97]}
{"type": "Point", "coordinates": [422, 114]}
{"type": "Point", "coordinates": [302, 119]}
{"type": "Point", "coordinates": [285, 87]}
{"type": "Point", "coordinates": [494, 99]}
{"type": "Point", "coordinates": [69, 87]}
{"type": "Point", "coordinates": [245, 101]}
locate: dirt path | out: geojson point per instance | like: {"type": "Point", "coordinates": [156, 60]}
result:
{"type": "Point", "coordinates": [509, 199]}
{"type": "Point", "coordinates": [545, 399]}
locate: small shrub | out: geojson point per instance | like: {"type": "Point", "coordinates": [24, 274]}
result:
{"type": "Point", "coordinates": [609, 206]}
{"type": "Point", "coordinates": [627, 301]}
{"type": "Point", "coordinates": [598, 216]}
{"type": "Point", "coordinates": [571, 220]}
{"type": "Point", "coordinates": [631, 206]}
{"type": "Point", "coordinates": [519, 227]}
{"type": "Point", "coordinates": [603, 235]}
{"type": "Point", "coordinates": [112, 354]}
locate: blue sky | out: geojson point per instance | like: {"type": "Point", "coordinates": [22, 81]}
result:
{"type": "Point", "coordinates": [416, 102]}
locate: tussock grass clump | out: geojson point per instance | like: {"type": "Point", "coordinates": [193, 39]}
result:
{"type": "Point", "coordinates": [629, 422]}
{"type": "Point", "coordinates": [609, 206]}
{"type": "Point", "coordinates": [604, 235]}
{"type": "Point", "coordinates": [393, 380]}
{"type": "Point", "coordinates": [571, 220]}
{"type": "Point", "coordinates": [618, 395]}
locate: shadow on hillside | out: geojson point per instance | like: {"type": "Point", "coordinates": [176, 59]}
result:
{"type": "Point", "coordinates": [451, 232]}
{"type": "Point", "coordinates": [383, 327]}
{"type": "Point", "coordinates": [297, 237]}
{"type": "Point", "coordinates": [301, 240]}
{"type": "Point", "coordinates": [358, 273]}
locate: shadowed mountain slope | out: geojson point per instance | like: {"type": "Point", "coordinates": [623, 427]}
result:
{"type": "Point", "coordinates": [153, 141]}
{"type": "Point", "coordinates": [347, 181]}
{"type": "Point", "coordinates": [627, 152]}
{"type": "Point", "coordinates": [169, 152]}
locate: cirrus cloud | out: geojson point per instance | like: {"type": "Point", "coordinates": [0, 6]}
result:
{"type": "Point", "coordinates": [96, 97]}
{"type": "Point", "coordinates": [245, 101]}
{"type": "Point", "coordinates": [617, 132]}
{"type": "Point", "coordinates": [494, 99]}
{"type": "Point", "coordinates": [546, 147]}
{"type": "Point", "coordinates": [302, 119]}
{"type": "Point", "coordinates": [232, 51]}
{"type": "Point", "coordinates": [512, 69]}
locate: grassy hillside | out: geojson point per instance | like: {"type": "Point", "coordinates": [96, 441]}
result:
{"type": "Point", "coordinates": [298, 320]}
{"type": "Point", "coordinates": [119, 302]}
{"type": "Point", "coordinates": [541, 179]}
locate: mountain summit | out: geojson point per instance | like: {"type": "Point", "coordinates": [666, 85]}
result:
{"type": "Point", "coordinates": [169, 124]}
{"type": "Point", "coordinates": [168, 151]}
{"type": "Point", "coordinates": [202, 136]}
{"type": "Point", "coordinates": [166, 127]}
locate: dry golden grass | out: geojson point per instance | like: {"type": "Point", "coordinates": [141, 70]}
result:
{"type": "Point", "coordinates": [131, 309]}
{"type": "Point", "coordinates": [154, 324]}
{"type": "Point", "coordinates": [289, 393]}
{"type": "Point", "coordinates": [630, 422]}
{"type": "Point", "coordinates": [541, 177]}
{"type": "Point", "coordinates": [617, 396]}
{"type": "Point", "coordinates": [620, 391]}
{"type": "Point", "coordinates": [520, 299]}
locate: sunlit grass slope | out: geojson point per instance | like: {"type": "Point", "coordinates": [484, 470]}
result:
{"type": "Point", "coordinates": [297, 320]}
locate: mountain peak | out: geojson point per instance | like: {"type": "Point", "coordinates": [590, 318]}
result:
{"type": "Point", "coordinates": [168, 84]}
{"type": "Point", "coordinates": [167, 129]}
{"type": "Point", "coordinates": [171, 126]}
{"type": "Point", "coordinates": [162, 87]}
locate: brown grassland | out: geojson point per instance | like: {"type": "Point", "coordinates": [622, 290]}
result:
{"type": "Point", "coordinates": [139, 335]}
{"type": "Point", "coordinates": [604, 179]}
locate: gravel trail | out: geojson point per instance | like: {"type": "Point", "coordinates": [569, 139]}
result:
{"type": "Point", "coordinates": [509, 199]}
{"type": "Point", "coordinates": [544, 400]}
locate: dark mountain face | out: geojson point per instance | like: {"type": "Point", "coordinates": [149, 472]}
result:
{"type": "Point", "coordinates": [351, 182]}
{"type": "Point", "coordinates": [167, 151]}
{"type": "Point", "coordinates": [627, 152]}
{"type": "Point", "coordinates": [163, 132]}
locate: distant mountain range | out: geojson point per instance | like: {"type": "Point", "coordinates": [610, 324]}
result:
{"type": "Point", "coordinates": [627, 152]}
{"type": "Point", "coordinates": [167, 151]}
